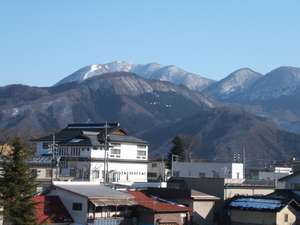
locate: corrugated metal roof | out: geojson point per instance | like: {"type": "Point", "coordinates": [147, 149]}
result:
{"type": "Point", "coordinates": [93, 191]}
{"type": "Point", "coordinates": [252, 203]}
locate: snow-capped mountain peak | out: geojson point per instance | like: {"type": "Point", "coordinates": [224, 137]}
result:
{"type": "Point", "coordinates": [155, 71]}
{"type": "Point", "coordinates": [235, 83]}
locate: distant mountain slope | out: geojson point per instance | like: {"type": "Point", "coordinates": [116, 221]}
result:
{"type": "Point", "coordinates": [154, 71]}
{"type": "Point", "coordinates": [235, 84]}
{"type": "Point", "coordinates": [275, 96]}
{"type": "Point", "coordinates": [282, 81]}
{"type": "Point", "coordinates": [152, 109]}
{"type": "Point", "coordinates": [219, 133]}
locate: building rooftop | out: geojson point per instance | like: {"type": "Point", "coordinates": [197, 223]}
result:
{"type": "Point", "coordinates": [261, 204]}
{"type": "Point", "coordinates": [90, 135]}
{"type": "Point", "coordinates": [92, 190]}
{"type": "Point", "coordinates": [50, 209]}
{"type": "Point", "coordinates": [172, 193]}
{"type": "Point", "coordinates": [157, 204]}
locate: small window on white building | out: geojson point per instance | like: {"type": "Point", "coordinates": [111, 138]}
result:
{"type": "Point", "coordinates": [142, 146]}
{"type": "Point", "coordinates": [286, 218]}
{"type": "Point", "coordinates": [141, 154]}
{"type": "Point", "coordinates": [115, 153]}
{"type": "Point", "coordinates": [96, 174]}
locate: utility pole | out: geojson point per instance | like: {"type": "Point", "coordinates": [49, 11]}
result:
{"type": "Point", "coordinates": [244, 161]}
{"type": "Point", "coordinates": [53, 147]}
{"type": "Point", "coordinates": [106, 148]}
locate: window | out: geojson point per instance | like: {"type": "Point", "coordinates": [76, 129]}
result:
{"type": "Point", "coordinates": [201, 174]}
{"type": "Point", "coordinates": [77, 206]}
{"type": "Point", "coordinates": [115, 153]}
{"type": "Point", "coordinates": [141, 154]}
{"type": "Point", "coordinates": [286, 218]}
{"type": "Point", "coordinates": [96, 174]}
{"type": "Point", "coordinates": [154, 165]}
{"type": "Point", "coordinates": [142, 146]}
{"type": "Point", "coordinates": [48, 172]}
{"type": "Point", "coordinates": [72, 172]}
{"type": "Point", "coordinates": [152, 175]}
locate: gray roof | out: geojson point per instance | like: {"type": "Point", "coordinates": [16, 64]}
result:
{"type": "Point", "coordinates": [129, 139]}
{"type": "Point", "coordinates": [94, 191]}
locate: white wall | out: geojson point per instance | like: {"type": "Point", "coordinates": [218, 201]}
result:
{"type": "Point", "coordinates": [208, 169]}
{"type": "Point", "coordinates": [126, 172]}
{"type": "Point", "coordinates": [68, 199]}
{"type": "Point", "coordinates": [237, 171]}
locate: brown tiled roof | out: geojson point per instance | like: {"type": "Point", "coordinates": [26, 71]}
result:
{"type": "Point", "coordinates": [50, 209]}
{"type": "Point", "coordinates": [156, 204]}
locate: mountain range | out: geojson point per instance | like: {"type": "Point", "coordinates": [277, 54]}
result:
{"type": "Point", "coordinates": [152, 109]}
{"type": "Point", "coordinates": [273, 95]}
{"type": "Point", "coordinates": [152, 71]}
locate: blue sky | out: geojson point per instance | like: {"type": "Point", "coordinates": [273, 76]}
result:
{"type": "Point", "coordinates": [44, 41]}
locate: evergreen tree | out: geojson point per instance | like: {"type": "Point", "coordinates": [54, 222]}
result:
{"type": "Point", "coordinates": [177, 150]}
{"type": "Point", "coordinates": [17, 187]}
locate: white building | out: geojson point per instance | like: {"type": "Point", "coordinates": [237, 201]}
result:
{"type": "Point", "coordinates": [233, 171]}
{"type": "Point", "coordinates": [80, 153]}
{"type": "Point", "coordinates": [157, 171]}
{"type": "Point", "coordinates": [93, 203]}
{"type": "Point", "coordinates": [276, 174]}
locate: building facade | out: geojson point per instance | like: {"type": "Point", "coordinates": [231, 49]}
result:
{"type": "Point", "coordinates": [234, 171]}
{"type": "Point", "coordinates": [96, 152]}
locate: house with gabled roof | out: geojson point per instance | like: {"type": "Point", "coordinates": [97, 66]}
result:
{"type": "Point", "coordinates": [256, 210]}
{"type": "Point", "coordinates": [94, 203]}
{"type": "Point", "coordinates": [96, 152]}
{"type": "Point", "coordinates": [154, 210]}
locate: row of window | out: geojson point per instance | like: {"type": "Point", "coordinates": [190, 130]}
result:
{"type": "Point", "coordinates": [96, 173]}
{"type": "Point", "coordinates": [114, 152]}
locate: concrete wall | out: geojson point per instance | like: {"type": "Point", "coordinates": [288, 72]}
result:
{"type": "Point", "coordinates": [280, 217]}
{"type": "Point", "coordinates": [211, 170]}
{"type": "Point", "coordinates": [203, 212]}
{"type": "Point", "coordinates": [68, 199]}
{"type": "Point", "coordinates": [230, 192]}
{"type": "Point", "coordinates": [178, 218]}
{"type": "Point", "coordinates": [211, 186]}
{"type": "Point", "coordinates": [252, 217]}
{"type": "Point", "coordinates": [290, 183]}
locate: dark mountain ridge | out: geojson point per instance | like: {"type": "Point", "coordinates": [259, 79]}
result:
{"type": "Point", "coordinates": [151, 109]}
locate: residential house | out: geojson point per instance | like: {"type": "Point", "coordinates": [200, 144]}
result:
{"type": "Point", "coordinates": [93, 203]}
{"type": "Point", "coordinates": [202, 204]}
{"type": "Point", "coordinates": [96, 152]}
{"type": "Point", "coordinates": [263, 210]}
{"type": "Point", "coordinates": [153, 210]}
